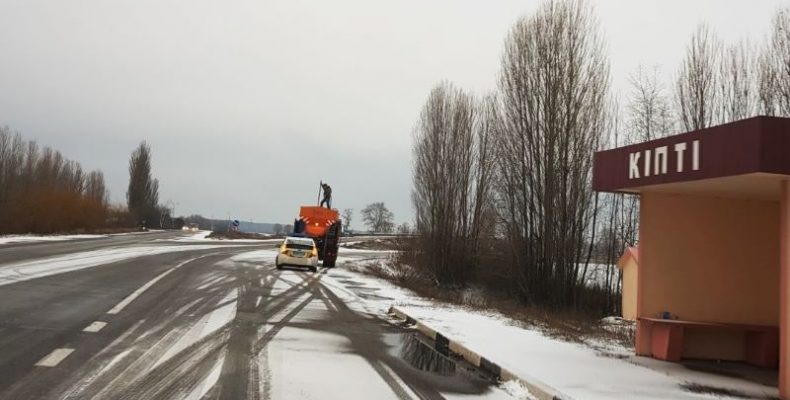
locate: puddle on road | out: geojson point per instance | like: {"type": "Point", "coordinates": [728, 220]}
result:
{"type": "Point", "coordinates": [424, 357]}
{"type": "Point", "coordinates": [446, 374]}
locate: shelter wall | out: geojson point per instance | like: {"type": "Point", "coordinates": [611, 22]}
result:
{"type": "Point", "coordinates": [630, 271]}
{"type": "Point", "coordinates": [708, 259]}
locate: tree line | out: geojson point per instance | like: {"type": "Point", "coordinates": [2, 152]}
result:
{"type": "Point", "coordinates": [503, 180]}
{"type": "Point", "coordinates": [41, 191]}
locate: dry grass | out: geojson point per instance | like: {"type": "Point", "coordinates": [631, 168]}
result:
{"type": "Point", "coordinates": [490, 293]}
{"type": "Point", "coordinates": [375, 244]}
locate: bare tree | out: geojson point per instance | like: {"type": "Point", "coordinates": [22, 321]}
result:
{"type": "Point", "coordinates": [774, 67]}
{"type": "Point", "coordinates": [452, 170]}
{"type": "Point", "coordinates": [554, 87]}
{"type": "Point", "coordinates": [378, 218]}
{"type": "Point", "coordinates": [738, 86]}
{"type": "Point", "coordinates": [697, 84]}
{"type": "Point", "coordinates": [95, 188]}
{"type": "Point", "coordinates": [649, 110]}
{"type": "Point", "coordinates": [143, 193]}
{"type": "Point", "coordinates": [348, 215]}
{"type": "Point", "coordinates": [767, 79]}
{"type": "Point", "coordinates": [278, 229]}
{"type": "Point", "coordinates": [619, 218]}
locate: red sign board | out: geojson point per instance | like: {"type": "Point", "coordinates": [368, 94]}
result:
{"type": "Point", "coordinates": [759, 144]}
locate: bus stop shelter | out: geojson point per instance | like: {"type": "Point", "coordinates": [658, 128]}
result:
{"type": "Point", "coordinates": [714, 242]}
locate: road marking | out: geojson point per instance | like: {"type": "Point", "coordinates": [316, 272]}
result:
{"type": "Point", "coordinates": [130, 298]}
{"type": "Point", "coordinates": [54, 358]}
{"type": "Point", "coordinates": [95, 326]}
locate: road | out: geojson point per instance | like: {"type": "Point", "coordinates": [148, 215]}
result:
{"type": "Point", "coordinates": [186, 320]}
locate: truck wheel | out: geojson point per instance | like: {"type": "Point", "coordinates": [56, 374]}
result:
{"type": "Point", "coordinates": [278, 266]}
{"type": "Point", "coordinates": [313, 269]}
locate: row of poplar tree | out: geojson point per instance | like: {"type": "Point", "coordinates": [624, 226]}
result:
{"type": "Point", "coordinates": [503, 181]}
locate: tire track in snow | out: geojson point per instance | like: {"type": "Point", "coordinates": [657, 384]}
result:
{"type": "Point", "coordinates": [185, 371]}
{"type": "Point", "coordinates": [174, 314]}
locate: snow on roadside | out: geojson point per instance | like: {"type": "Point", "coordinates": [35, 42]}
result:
{"type": "Point", "coordinates": [6, 239]}
{"type": "Point", "coordinates": [517, 390]}
{"type": "Point", "coordinates": [22, 271]}
{"type": "Point", "coordinates": [256, 256]}
{"type": "Point", "coordinates": [202, 236]}
{"type": "Point", "coordinates": [577, 370]}
{"type": "Point", "coordinates": [137, 232]}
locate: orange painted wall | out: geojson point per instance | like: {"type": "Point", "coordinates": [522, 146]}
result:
{"type": "Point", "coordinates": [630, 271]}
{"type": "Point", "coordinates": [708, 259]}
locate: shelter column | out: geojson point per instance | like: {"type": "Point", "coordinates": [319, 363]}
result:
{"type": "Point", "coordinates": [784, 296]}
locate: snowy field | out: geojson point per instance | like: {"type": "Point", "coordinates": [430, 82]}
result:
{"type": "Point", "coordinates": [581, 371]}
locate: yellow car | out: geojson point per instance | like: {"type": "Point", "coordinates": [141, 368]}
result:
{"type": "Point", "coordinates": [297, 252]}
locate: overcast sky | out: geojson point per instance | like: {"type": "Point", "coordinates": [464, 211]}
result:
{"type": "Point", "coordinates": [248, 104]}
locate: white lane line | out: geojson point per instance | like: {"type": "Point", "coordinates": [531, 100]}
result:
{"type": "Point", "coordinates": [95, 326]}
{"type": "Point", "coordinates": [130, 298]}
{"type": "Point", "coordinates": [54, 358]}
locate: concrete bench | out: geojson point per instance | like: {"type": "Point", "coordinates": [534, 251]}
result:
{"type": "Point", "coordinates": [761, 341]}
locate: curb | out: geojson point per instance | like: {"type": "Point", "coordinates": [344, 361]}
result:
{"type": "Point", "coordinates": [445, 345]}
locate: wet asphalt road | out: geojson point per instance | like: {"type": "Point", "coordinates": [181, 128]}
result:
{"type": "Point", "coordinates": [213, 323]}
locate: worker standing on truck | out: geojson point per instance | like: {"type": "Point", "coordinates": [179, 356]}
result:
{"type": "Point", "coordinates": [327, 196]}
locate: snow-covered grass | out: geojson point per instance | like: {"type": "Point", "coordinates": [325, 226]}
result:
{"type": "Point", "coordinates": [22, 271]}
{"type": "Point", "coordinates": [589, 370]}
{"type": "Point", "coordinates": [44, 238]}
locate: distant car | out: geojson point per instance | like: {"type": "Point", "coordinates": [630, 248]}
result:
{"type": "Point", "coordinates": [297, 252]}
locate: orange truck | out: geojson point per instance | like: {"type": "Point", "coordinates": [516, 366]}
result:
{"type": "Point", "coordinates": [323, 225]}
